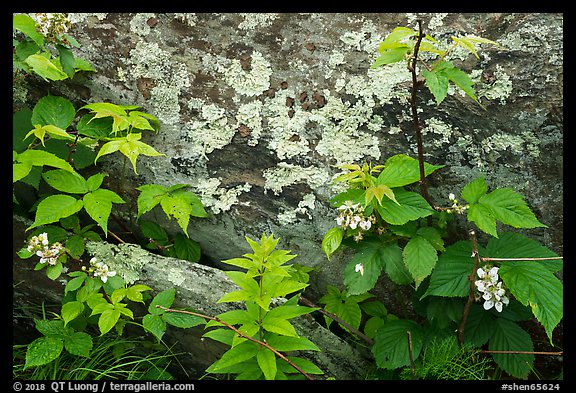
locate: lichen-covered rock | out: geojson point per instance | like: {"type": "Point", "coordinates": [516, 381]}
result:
{"type": "Point", "coordinates": [257, 109]}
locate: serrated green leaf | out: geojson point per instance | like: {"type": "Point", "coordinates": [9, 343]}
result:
{"type": "Point", "coordinates": [55, 207]}
{"type": "Point", "coordinates": [150, 196]}
{"type": "Point", "coordinates": [42, 351]}
{"type": "Point", "coordinates": [179, 208]}
{"type": "Point", "coordinates": [288, 343]}
{"type": "Point", "coordinates": [53, 327]}
{"type": "Point", "coordinates": [510, 208]}
{"type": "Point", "coordinates": [155, 325]}
{"type": "Point", "coordinates": [392, 55]}
{"type": "Point", "coordinates": [332, 240]}
{"type": "Point", "coordinates": [479, 327]}
{"type": "Point", "coordinates": [279, 326]}
{"type": "Point", "coordinates": [508, 336]}
{"type": "Point", "coordinates": [482, 216]}
{"type": "Point", "coordinates": [181, 320]}
{"type": "Point", "coordinates": [41, 158]}
{"type": "Point", "coordinates": [474, 190]}
{"type": "Point", "coordinates": [186, 248]}
{"type": "Point", "coordinates": [71, 310]}
{"type": "Point", "coordinates": [106, 109]}
{"type": "Point", "coordinates": [134, 292]}
{"type": "Point", "coordinates": [66, 181]}
{"type": "Point", "coordinates": [304, 364]}
{"type": "Point", "coordinates": [267, 362]}
{"type": "Point", "coordinates": [437, 84]}
{"type": "Point", "coordinates": [78, 343]}
{"type": "Point", "coordinates": [164, 299]}
{"type": "Point", "coordinates": [420, 258]}
{"type": "Point", "coordinates": [45, 68]}
{"type": "Point", "coordinates": [98, 205]}
{"type": "Point", "coordinates": [235, 355]}
{"type": "Point", "coordinates": [400, 170]}
{"type": "Point", "coordinates": [53, 110]}
{"type": "Point", "coordinates": [412, 206]}
{"type": "Point", "coordinates": [391, 348]}
{"type": "Point", "coordinates": [108, 320]}
{"type": "Point", "coordinates": [450, 276]}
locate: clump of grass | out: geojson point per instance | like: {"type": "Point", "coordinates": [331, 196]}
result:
{"type": "Point", "coordinates": [444, 360]}
{"type": "Point", "coordinates": [114, 358]}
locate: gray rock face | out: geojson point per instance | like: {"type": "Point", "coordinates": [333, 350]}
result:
{"type": "Point", "coordinates": [257, 109]}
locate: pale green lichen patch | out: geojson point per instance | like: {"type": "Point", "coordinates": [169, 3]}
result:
{"type": "Point", "coordinates": [256, 20]}
{"type": "Point", "coordinates": [289, 216]}
{"type": "Point", "coordinates": [498, 91]}
{"type": "Point", "coordinates": [148, 60]}
{"type": "Point", "coordinates": [139, 25]}
{"type": "Point", "coordinates": [216, 198]}
{"type": "Point", "coordinates": [211, 131]}
{"type": "Point", "coordinates": [285, 174]}
{"type": "Point", "coordinates": [126, 259]}
{"type": "Point", "coordinates": [250, 82]}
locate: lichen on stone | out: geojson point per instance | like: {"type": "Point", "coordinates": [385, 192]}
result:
{"type": "Point", "coordinates": [289, 216]}
{"type": "Point", "coordinates": [256, 20]}
{"type": "Point", "coordinates": [211, 131]}
{"type": "Point", "coordinates": [285, 174]}
{"type": "Point", "coordinates": [126, 259]}
{"type": "Point", "coordinates": [216, 198]}
{"type": "Point", "coordinates": [139, 25]}
{"type": "Point", "coordinates": [250, 82]}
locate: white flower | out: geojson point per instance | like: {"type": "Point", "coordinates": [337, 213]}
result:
{"type": "Point", "coordinates": [103, 271]}
{"type": "Point", "coordinates": [365, 225]}
{"type": "Point", "coordinates": [359, 268]}
{"type": "Point", "coordinates": [451, 196]}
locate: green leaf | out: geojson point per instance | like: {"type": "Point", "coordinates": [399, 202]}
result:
{"type": "Point", "coordinates": [480, 326]}
{"type": "Point", "coordinates": [108, 320]}
{"type": "Point", "coordinates": [420, 258]}
{"type": "Point", "coordinates": [179, 208]}
{"type": "Point", "coordinates": [66, 181]}
{"type": "Point", "coordinates": [304, 364]}
{"type": "Point", "coordinates": [45, 68]}
{"type": "Point", "coordinates": [508, 336]}
{"type": "Point", "coordinates": [450, 276]}
{"type": "Point", "coordinates": [54, 271]}
{"type": "Point", "coordinates": [534, 285]}
{"type": "Point", "coordinates": [267, 362]}
{"type": "Point", "coordinates": [150, 196]}
{"type": "Point", "coordinates": [392, 55]}
{"type": "Point", "coordinates": [134, 292]}
{"type": "Point", "coordinates": [95, 181]}
{"type": "Point", "coordinates": [164, 299]}
{"type": "Point", "coordinates": [279, 326]}
{"type": "Point", "coordinates": [71, 310]}
{"type": "Point", "coordinates": [332, 240]}
{"type": "Point", "coordinates": [460, 79]}
{"type": "Point", "coordinates": [482, 216]}
{"type": "Point", "coordinates": [53, 110]}
{"type": "Point", "coordinates": [363, 270]}
{"type": "Point", "coordinates": [235, 355]}
{"type": "Point", "coordinates": [474, 190]}
{"type": "Point", "coordinates": [437, 84]}
{"type": "Point", "coordinates": [401, 170]}
{"type": "Point", "coordinates": [53, 327]}
{"type": "Point", "coordinates": [106, 109]}
{"type": "Point", "coordinates": [509, 207]}
{"type": "Point", "coordinates": [67, 61]}
{"type": "Point", "coordinates": [391, 348]}
{"type": "Point", "coordinates": [41, 158]}
{"type": "Point", "coordinates": [412, 206]}
{"type": "Point", "coordinates": [287, 343]}
{"type": "Point", "coordinates": [155, 325]}
{"type": "Point", "coordinates": [183, 321]}
{"type": "Point", "coordinates": [55, 207]}
{"type": "Point", "coordinates": [396, 37]}
{"type": "Point", "coordinates": [27, 25]}
{"type": "Point", "coordinates": [98, 205]}
{"type": "Point", "coordinates": [42, 351]}
{"type": "Point", "coordinates": [78, 343]}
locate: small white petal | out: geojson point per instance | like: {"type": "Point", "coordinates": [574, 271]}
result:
{"type": "Point", "coordinates": [488, 304]}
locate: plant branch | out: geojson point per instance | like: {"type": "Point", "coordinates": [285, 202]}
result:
{"type": "Point", "coordinates": [486, 259]}
{"type": "Point", "coordinates": [335, 317]}
{"type": "Point", "coordinates": [410, 352]}
{"type": "Point", "coordinates": [416, 121]}
{"type": "Point", "coordinates": [262, 343]}
{"type": "Point", "coordinates": [470, 300]}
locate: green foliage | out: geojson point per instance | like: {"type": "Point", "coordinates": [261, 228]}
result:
{"type": "Point", "coordinates": [32, 53]}
{"type": "Point", "coordinates": [395, 231]}
{"type": "Point", "coordinates": [265, 276]}
{"type": "Point", "coordinates": [175, 202]}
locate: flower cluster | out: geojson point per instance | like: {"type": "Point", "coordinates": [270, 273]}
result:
{"type": "Point", "coordinates": [99, 269]}
{"type": "Point", "coordinates": [52, 25]}
{"type": "Point", "coordinates": [457, 208]}
{"type": "Point", "coordinates": [350, 215]}
{"type": "Point", "coordinates": [40, 246]}
{"type": "Point", "coordinates": [491, 288]}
